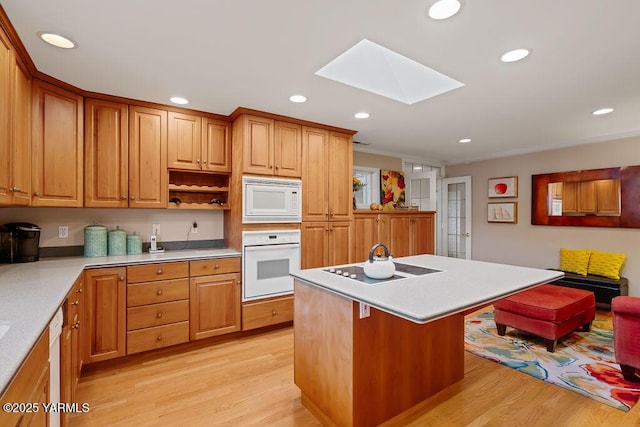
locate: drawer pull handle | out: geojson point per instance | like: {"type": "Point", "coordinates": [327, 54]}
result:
{"type": "Point", "coordinates": [159, 271]}
{"type": "Point", "coordinates": [273, 312]}
{"type": "Point", "coordinates": [159, 292]}
{"type": "Point", "coordinates": [159, 337]}
{"type": "Point", "coordinates": [217, 266]}
{"type": "Point", "coordinates": [76, 325]}
{"type": "Point", "coordinates": [121, 278]}
{"type": "Point", "coordinates": [76, 302]}
{"type": "Point", "coordinates": [79, 291]}
{"type": "Point", "coordinates": [159, 314]}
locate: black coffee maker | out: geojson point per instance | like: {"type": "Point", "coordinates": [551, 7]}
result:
{"type": "Point", "coordinates": [19, 242]}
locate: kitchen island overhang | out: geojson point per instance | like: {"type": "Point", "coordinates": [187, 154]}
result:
{"type": "Point", "coordinates": [356, 371]}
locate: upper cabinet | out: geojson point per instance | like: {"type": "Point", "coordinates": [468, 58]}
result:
{"type": "Point", "coordinates": [106, 154]}
{"type": "Point", "coordinates": [198, 143]}
{"type": "Point", "coordinates": [270, 147]}
{"type": "Point", "coordinates": [326, 175]}
{"type": "Point", "coordinates": [148, 181]}
{"type": "Point", "coordinates": [57, 154]}
{"type": "Point", "coordinates": [15, 128]}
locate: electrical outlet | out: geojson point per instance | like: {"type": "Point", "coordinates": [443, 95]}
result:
{"type": "Point", "coordinates": [194, 228]}
{"type": "Point", "coordinates": [63, 232]}
{"type": "Point", "coordinates": [156, 229]}
{"type": "Point", "coordinates": [365, 310]}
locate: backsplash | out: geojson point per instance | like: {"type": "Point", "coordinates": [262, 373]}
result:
{"type": "Point", "coordinates": [174, 225]}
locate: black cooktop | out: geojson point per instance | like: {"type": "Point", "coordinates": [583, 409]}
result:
{"type": "Point", "coordinates": [356, 272]}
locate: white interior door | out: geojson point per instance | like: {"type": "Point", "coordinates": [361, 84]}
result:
{"type": "Point", "coordinates": [422, 190]}
{"type": "Point", "coordinates": [455, 239]}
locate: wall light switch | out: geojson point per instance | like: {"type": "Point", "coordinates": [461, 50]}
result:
{"type": "Point", "coordinates": [63, 232]}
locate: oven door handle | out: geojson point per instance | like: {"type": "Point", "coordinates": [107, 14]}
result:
{"type": "Point", "coordinates": [274, 246]}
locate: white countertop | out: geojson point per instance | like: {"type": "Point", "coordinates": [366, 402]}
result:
{"type": "Point", "coordinates": [462, 284]}
{"type": "Point", "coordinates": [31, 293]}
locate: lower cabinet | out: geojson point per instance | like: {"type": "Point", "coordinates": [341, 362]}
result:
{"type": "Point", "coordinates": [157, 305]}
{"type": "Point", "coordinates": [258, 314]}
{"type": "Point", "coordinates": [105, 296]}
{"type": "Point", "coordinates": [71, 354]}
{"type": "Point", "coordinates": [325, 243]}
{"type": "Point", "coordinates": [214, 297]}
{"type": "Point", "coordinates": [29, 385]}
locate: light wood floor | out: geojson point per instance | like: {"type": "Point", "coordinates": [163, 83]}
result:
{"type": "Point", "coordinates": [249, 382]}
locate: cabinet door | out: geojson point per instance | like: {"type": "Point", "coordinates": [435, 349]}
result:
{"type": "Point", "coordinates": [106, 154]}
{"type": "Point", "coordinates": [340, 176]}
{"type": "Point", "coordinates": [339, 243]}
{"type": "Point", "coordinates": [148, 186]}
{"type": "Point", "coordinates": [216, 146]}
{"type": "Point", "coordinates": [21, 136]}
{"type": "Point", "coordinates": [422, 234]}
{"type": "Point", "coordinates": [57, 153]}
{"type": "Point", "coordinates": [184, 142]}
{"type": "Point", "coordinates": [399, 235]}
{"type": "Point", "coordinates": [257, 150]}
{"type": "Point", "coordinates": [314, 244]}
{"type": "Point", "coordinates": [587, 197]}
{"type": "Point", "coordinates": [365, 235]}
{"type": "Point", "coordinates": [6, 60]}
{"type": "Point", "coordinates": [106, 313]}
{"type": "Point", "coordinates": [608, 196]}
{"type": "Point", "coordinates": [315, 169]}
{"type": "Point", "coordinates": [288, 149]}
{"type": "Point", "coordinates": [214, 305]}
{"type": "Point", "coordinates": [570, 197]}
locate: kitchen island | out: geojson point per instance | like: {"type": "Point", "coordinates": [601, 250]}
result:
{"type": "Point", "coordinates": [359, 368]}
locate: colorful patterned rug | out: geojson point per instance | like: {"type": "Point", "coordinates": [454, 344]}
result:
{"type": "Point", "coordinates": [583, 361]}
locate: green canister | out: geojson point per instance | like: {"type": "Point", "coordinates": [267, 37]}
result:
{"type": "Point", "coordinates": [117, 242]}
{"type": "Point", "coordinates": [134, 244]}
{"type": "Point", "coordinates": [95, 240]}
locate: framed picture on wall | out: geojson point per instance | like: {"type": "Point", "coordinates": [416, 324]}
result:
{"type": "Point", "coordinates": [503, 187]}
{"type": "Point", "coordinates": [503, 212]}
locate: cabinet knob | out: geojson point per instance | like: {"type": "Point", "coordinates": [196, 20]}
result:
{"type": "Point", "coordinates": [122, 278]}
{"type": "Point", "coordinates": [217, 266]}
{"type": "Point", "coordinates": [270, 167]}
{"type": "Point", "coordinates": [133, 197]}
{"type": "Point", "coordinates": [198, 161]}
{"type": "Point", "coordinates": [76, 325]}
{"type": "Point", "coordinates": [76, 302]}
{"type": "Point", "coordinates": [159, 292]}
{"type": "Point", "coordinates": [273, 312]}
{"type": "Point", "coordinates": [79, 291]}
{"type": "Point", "coordinates": [124, 197]}
{"type": "Point", "coordinates": [204, 160]}
{"type": "Point", "coordinates": [239, 282]}
{"type": "Point", "coordinates": [159, 271]}
{"type": "Point", "coordinates": [159, 315]}
{"type": "Point", "coordinates": [159, 338]}
{"type": "Point", "coordinates": [36, 194]}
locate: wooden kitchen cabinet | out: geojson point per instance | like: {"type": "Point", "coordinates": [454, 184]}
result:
{"type": "Point", "coordinates": [15, 128]}
{"type": "Point", "coordinates": [327, 162]}
{"type": "Point", "coordinates": [570, 197]}
{"type": "Point", "coordinates": [105, 297]}
{"type": "Point", "coordinates": [270, 147]}
{"type": "Point", "coordinates": [215, 295]}
{"type": "Point", "coordinates": [106, 154]}
{"type": "Point", "coordinates": [325, 243]}
{"type": "Point", "coordinates": [29, 385]}
{"type": "Point", "coordinates": [57, 149]}
{"type": "Point", "coordinates": [71, 355]}
{"type": "Point", "coordinates": [592, 197]}
{"type": "Point", "coordinates": [157, 305]}
{"type": "Point", "coordinates": [148, 180]}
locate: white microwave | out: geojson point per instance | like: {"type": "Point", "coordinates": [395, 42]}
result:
{"type": "Point", "coordinates": [269, 200]}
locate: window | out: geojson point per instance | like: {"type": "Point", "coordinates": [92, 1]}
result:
{"type": "Point", "coordinates": [370, 193]}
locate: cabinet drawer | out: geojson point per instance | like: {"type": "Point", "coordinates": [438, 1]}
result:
{"type": "Point", "coordinates": [160, 271]}
{"type": "Point", "coordinates": [265, 313]}
{"type": "Point", "coordinates": [207, 267]}
{"type": "Point", "coordinates": [155, 292]}
{"type": "Point", "coordinates": [146, 316]}
{"type": "Point", "coordinates": [157, 337]}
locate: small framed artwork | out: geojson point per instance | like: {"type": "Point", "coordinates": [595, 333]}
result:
{"type": "Point", "coordinates": [503, 187]}
{"type": "Point", "coordinates": [503, 212]}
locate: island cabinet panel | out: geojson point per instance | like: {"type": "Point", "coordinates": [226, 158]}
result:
{"type": "Point", "coordinates": [106, 313]}
{"type": "Point", "coordinates": [380, 365]}
{"type": "Point", "coordinates": [106, 154]}
{"type": "Point", "coordinates": [148, 178]}
{"type": "Point", "coordinates": [57, 147]}
{"type": "Point", "coordinates": [29, 385]}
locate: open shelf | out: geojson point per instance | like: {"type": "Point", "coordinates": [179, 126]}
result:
{"type": "Point", "coordinates": [196, 190]}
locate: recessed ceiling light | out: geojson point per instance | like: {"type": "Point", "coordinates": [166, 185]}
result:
{"type": "Point", "coordinates": [515, 55]}
{"type": "Point", "coordinates": [361, 115]}
{"type": "Point", "coordinates": [298, 98]}
{"type": "Point", "coordinates": [179, 100]}
{"type": "Point", "coordinates": [465, 140]}
{"type": "Point", "coordinates": [57, 40]}
{"type": "Point", "coordinates": [444, 9]}
{"type": "Point", "coordinates": [602, 111]}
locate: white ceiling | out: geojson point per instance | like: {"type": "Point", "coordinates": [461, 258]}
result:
{"type": "Point", "coordinates": [255, 53]}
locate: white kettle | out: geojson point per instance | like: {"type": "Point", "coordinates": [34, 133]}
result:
{"type": "Point", "coordinates": [378, 267]}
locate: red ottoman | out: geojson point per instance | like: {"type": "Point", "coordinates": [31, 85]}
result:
{"type": "Point", "coordinates": [548, 311]}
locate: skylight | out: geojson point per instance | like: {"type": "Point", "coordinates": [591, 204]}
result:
{"type": "Point", "coordinates": [376, 69]}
